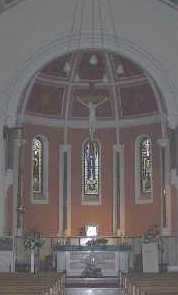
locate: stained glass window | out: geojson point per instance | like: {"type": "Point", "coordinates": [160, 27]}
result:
{"type": "Point", "coordinates": [91, 169]}
{"type": "Point", "coordinates": [37, 169]}
{"type": "Point", "coordinates": [146, 165]}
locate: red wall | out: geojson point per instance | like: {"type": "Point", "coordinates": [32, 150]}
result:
{"type": "Point", "coordinates": [100, 214]}
{"type": "Point", "coordinates": [138, 216]}
{"type": "Point", "coordinates": [45, 217]}
{"type": "Point", "coordinates": [174, 212]}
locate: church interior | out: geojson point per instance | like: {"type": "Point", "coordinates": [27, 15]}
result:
{"type": "Point", "coordinates": [88, 147]}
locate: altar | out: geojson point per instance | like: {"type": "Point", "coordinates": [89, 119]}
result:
{"type": "Point", "coordinates": [84, 261]}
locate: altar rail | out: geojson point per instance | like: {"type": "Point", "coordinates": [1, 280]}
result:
{"type": "Point", "coordinates": [168, 250]}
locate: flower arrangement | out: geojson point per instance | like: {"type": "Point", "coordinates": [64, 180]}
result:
{"type": "Point", "coordinates": [33, 241]}
{"type": "Point", "coordinates": [101, 241]}
{"type": "Point", "coordinates": [152, 234]}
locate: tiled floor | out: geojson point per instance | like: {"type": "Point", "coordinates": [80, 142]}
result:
{"type": "Point", "coordinates": [92, 291]}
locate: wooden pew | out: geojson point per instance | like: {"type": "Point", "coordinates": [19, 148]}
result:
{"type": "Point", "coordinates": [146, 284]}
{"type": "Point", "coordinates": [157, 290]}
{"type": "Point", "coordinates": [30, 284]}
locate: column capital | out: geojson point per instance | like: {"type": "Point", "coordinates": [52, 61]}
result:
{"type": "Point", "coordinates": [118, 147]}
{"type": "Point", "coordinates": [19, 141]}
{"type": "Point", "coordinates": [65, 147]}
{"type": "Point", "coordinates": [174, 178]}
{"type": "Point", "coordinates": [163, 142]}
{"type": "Point", "coordinates": [18, 137]}
{"type": "Point", "coordinates": [172, 121]}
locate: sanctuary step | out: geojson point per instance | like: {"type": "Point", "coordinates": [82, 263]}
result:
{"type": "Point", "coordinates": [92, 286]}
{"type": "Point", "coordinates": [104, 282]}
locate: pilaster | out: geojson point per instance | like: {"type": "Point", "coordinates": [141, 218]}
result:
{"type": "Point", "coordinates": [118, 190]}
{"type": "Point", "coordinates": [165, 185]}
{"type": "Point", "coordinates": [17, 228]}
{"type": "Point", "coordinates": [64, 227]}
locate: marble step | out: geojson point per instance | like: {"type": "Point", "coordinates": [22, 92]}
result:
{"type": "Point", "coordinates": [105, 282]}
{"type": "Point", "coordinates": [93, 291]}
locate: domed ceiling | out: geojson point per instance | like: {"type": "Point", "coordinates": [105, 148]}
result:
{"type": "Point", "coordinates": [115, 85]}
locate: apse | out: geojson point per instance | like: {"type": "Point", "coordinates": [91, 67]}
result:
{"type": "Point", "coordinates": [91, 121]}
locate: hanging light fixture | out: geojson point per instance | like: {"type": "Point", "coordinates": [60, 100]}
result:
{"type": "Point", "coordinates": [105, 78]}
{"type": "Point", "coordinates": [95, 24]}
{"type": "Point", "coordinates": [67, 68]}
{"type": "Point", "coordinates": [93, 60]}
{"type": "Point", "coordinates": [120, 69]}
{"type": "Point", "coordinates": [76, 78]}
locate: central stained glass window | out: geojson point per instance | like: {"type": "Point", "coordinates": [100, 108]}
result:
{"type": "Point", "coordinates": [37, 154]}
{"type": "Point", "coordinates": [91, 169]}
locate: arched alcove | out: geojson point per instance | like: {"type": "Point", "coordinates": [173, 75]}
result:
{"type": "Point", "coordinates": [144, 40]}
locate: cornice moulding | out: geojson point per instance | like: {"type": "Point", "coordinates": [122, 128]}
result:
{"type": "Point", "coordinates": [83, 124]}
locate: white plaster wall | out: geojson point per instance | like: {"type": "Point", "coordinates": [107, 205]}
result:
{"type": "Point", "coordinates": [30, 35]}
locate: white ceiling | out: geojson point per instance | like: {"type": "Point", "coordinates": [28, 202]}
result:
{"type": "Point", "coordinates": [33, 32]}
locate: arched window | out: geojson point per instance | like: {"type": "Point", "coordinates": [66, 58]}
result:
{"type": "Point", "coordinates": [91, 171]}
{"type": "Point", "coordinates": [37, 162]}
{"type": "Point", "coordinates": [143, 169]}
{"type": "Point", "coordinates": [39, 169]}
{"type": "Point", "coordinates": [145, 165]}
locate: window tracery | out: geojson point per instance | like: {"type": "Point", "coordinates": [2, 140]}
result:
{"type": "Point", "coordinates": [37, 162]}
{"type": "Point", "coordinates": [91, 171]}
{"type": "Point", "coordinates": [39, 169]}
{"type": "Point", "coordinates": [145, 164]}
{"type": "Point", "coordinates": [143, 170]}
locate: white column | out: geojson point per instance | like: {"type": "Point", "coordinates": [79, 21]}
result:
{"type": "Point", "coordinates": [16, 161]}
{"type": "Point", "coordinates": [61, 176]}
{"type": "Point", "coordinates": [115, 192]}
{"type": "Point", "coordinates": [118, 196]}
{"type": "Point", "coordinates": [32, 260]}
{"type": "Point", "coordinates": [164, 147]}
{"type": "Point", "coordinates": [62, 150]}
{"type": "Point", "coordinates": [16, 155]}
{"type": "Point", "coordinates": [174, 181]}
